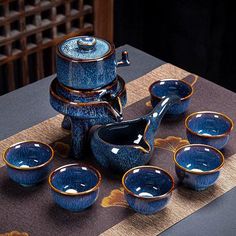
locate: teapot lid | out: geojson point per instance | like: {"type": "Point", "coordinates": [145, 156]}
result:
{"type": "Point", "coordinates": [85, 48]}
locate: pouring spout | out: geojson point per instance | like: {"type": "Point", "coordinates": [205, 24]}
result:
{"type": "Point", "coordinates": [155, 116]}
{"type": "Point", "coordinates": [115, 106]}
{"type": "Point", "coordinates": [120, 118]}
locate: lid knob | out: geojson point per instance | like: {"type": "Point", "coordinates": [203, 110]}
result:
{"type": "Point", "coordinates": [86, 42]}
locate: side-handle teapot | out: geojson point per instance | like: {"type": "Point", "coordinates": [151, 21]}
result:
{"type": "Point", "coordinates": [122, 146]}
{"type": "Point", "coordinates": [86, 62]}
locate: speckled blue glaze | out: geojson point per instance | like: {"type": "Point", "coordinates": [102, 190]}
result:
{"type": "Point", "coordinates": [66, 123]}
{"type": "Point", "coordinates": [85, 115]}
{"type": "Point", "coordinates": [218, 143]}
{"type": "Point", "coordinates": [147, 189]}
{"type": "Point", "coordinates": [75, 187]}
{"type": "Point", "coordinates": [91, 95]}
{"type": "Point", "coordinates": [27, 178]}
{"type": "Point", "coordinates": [86, 75]}
{"type": "Point", "coordinates": [124, 145]}
{"type": "Point", "coordinates": [77, 48]}
{"type": "Point", "coordinates": [28, 163]}
{"type": "Point", "coordinates": [85, 69]}
{"type": "Point", "coordinates": [198, 166]}
{"type": "Point", "coordinates": [210, 128]}
{"type": "Point", "coordinates": [95, 109]}
{"type": "Point", "coordinates": [163, 88]}
{"type": "Point", "coordinates": [75, 203]}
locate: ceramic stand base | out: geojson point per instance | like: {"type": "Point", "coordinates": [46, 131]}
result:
{"type": "Point", "coordinates": [66, 123]}
{"type": "Point", "coordinates": [80, 129]}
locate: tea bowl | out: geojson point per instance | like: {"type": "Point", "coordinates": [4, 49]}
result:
{"type": "Point", "coordinates": [169, 87]}
{"type": "Point", "coordinates": [208, 127]}
{"type": "Point", "coordinates": [198, 166]}
{"type": "Point", "coordinates": [28, 162]}
{"type": "Point", "coordinates": [75, 187]}
{"type": "Point", "coordinates": [147, 189]}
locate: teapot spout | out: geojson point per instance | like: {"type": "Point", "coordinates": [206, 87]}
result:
{"type": "Point", "coordinates": [115, 105]}
{"type": "Point", "coordinates": [155, 116]}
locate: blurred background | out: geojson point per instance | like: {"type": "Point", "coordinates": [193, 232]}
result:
{"type": "Point", "coordinates": [198, 36]}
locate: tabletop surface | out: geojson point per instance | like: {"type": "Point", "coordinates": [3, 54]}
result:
{"type": "Point", "coordinates": [29, 105]}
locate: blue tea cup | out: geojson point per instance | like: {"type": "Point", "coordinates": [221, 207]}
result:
{"type": "Point", "coordinates": [29, 162]}
{"type": "Point", "coordinates": [147, 189]}
{"type": "Point", "coordinates": [198, 166]}
{"type": "Point", "coordinates": [208, 127]}
{"type": "Point", "coordinates": [169, 87]}
{"type": "Point", "coordinates": [75, 187]}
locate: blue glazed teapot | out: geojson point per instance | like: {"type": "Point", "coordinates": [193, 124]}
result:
{"type": "Point", "coordinates": [86, 62]}
{"type": "Point", "coordinates": [122, 146]}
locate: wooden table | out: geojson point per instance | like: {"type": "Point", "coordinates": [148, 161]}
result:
{"type": "Point", "coordinates": [29, 106]}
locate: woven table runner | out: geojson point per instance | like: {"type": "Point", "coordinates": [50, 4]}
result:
{"type": "Point", "coordinates": [31, 211]}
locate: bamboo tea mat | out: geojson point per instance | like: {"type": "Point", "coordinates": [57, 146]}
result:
{"type": "Point", "coordinates": [32, 211]}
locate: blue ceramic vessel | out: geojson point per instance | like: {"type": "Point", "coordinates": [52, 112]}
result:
{"type": "Point", "coordinates": [107, 93]}
{"type": "Point", "coordinates": [124, 145]}
{"type": "Point", "coordinates": [102, 94]}
{"type": "Point", "coordinates": [106, 107]}
{"type": "Point", "coordinates": [75, 187]}
{"type": "Point", "coordinates": [168, 87]}
{"type": "Point", "coordinates": [198, 166]}
{"type": "Point", "coordinates": [208, 127]}
{"type": "Point", "coordinates": [86, 62]}
{"type": "Point", "coordinates": [147, 189]}
{"type": "Point", "coordinates": [29, 162]}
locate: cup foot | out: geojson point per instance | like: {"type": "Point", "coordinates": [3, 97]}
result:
{"type": "Point", "coordinates": [200, 189]}
{"type": "Point", "coordinates": [27, 185]}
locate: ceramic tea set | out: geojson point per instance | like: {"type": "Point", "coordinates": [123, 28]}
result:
{"type": "Point", "coordinates": [89, 92]}
{"type": "Point", "coordinates": [87, 89]}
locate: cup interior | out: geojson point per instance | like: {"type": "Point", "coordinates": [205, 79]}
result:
{"type": "Point", "coordinates": [125, 133]}
{"type": "Point", "coordinates": [74, 179]}
{"type": "Point", "coordinates": [148, 182]}
{"type": "Point", "coordinates": [28, 154]}
{"type": "Point", "coordinates": [209, 124]}
{"type": "Point", "coordinates": [164, 88]}
{"type": "Point", "coordinates": [197, 158]}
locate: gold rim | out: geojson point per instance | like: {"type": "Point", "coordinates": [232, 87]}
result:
{"type": "Point", "coordinates": [79, 193]}
{"type": "Point", "coordinates": [182, 81]}
{"type": "Point", "coordinates": [200, 172]}
{"type": "Point", "coordinates": [27, 168]}
{"type": "Point", "coordinates": [205, 135]}
{"type": "Point", "coordinates": [148, 198]}
{"type": "Point", "coordinates": [144, 137]}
